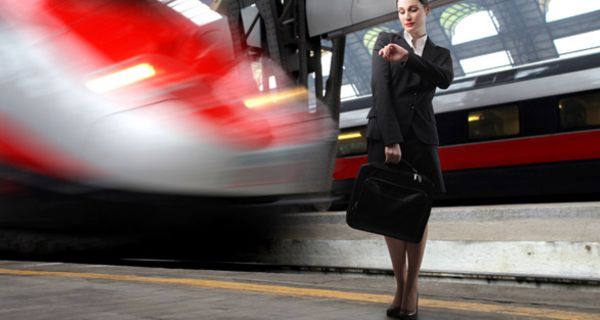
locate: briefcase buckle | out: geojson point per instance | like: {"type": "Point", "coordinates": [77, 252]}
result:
{"type": "Point", "coordinates": [417, 177]}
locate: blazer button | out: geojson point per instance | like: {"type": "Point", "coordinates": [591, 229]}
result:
{"type": "Point", "coordinates": [412, 107]}
{"type": "Point", "coordinates": [414, 93]}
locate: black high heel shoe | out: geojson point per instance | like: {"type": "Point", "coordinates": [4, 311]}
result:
{"type": "Point", "coordinates": [395, 312]}
{"type": "Point", "coordinates": [414, 315]}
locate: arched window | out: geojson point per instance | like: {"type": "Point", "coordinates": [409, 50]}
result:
{"type": "Point", "coordinates": [562, 9]}
{"type": "Point", "coordinates": [476, 26]}
{"type": "Point", "coordinates": [370, 36]}
{"type": "Point", "coordinates": [464, 22]}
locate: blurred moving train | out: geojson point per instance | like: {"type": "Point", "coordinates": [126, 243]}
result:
{"type": "Point", "coordinates": [134, 96]}
{"type": "Point", "coordinates": [529, 131]}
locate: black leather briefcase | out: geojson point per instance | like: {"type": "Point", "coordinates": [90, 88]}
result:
{"type": "Point", "coordinates": [391, 200]}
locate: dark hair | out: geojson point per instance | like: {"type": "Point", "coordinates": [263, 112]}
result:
{"type": "Point", "coordinates": [425, 3]}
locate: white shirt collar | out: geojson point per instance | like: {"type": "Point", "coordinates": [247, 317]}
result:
{"type": "Point", "coordinates": [420, 45]}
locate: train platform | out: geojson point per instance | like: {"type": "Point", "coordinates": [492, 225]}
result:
{"type": "Point", "coordinates": [34, 290]}
{"type": "Point", "coordinates": [549, 241]}
{"type": "Point", "coordinates": [525, 261]}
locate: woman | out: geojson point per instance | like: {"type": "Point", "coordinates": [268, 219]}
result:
{"type": "Point", "coordinates": [407, 68]}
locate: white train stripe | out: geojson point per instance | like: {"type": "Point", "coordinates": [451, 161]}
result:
{"type": "Point", "coordinates": [505, 93]}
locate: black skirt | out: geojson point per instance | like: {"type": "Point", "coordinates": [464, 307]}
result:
{"type": "Point", "coordinates": [423, 157]}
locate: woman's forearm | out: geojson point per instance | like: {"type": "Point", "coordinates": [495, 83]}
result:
{"type": "Point", "coordinates": [441, 75]}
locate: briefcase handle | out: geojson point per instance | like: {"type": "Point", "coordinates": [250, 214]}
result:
{"type": "Point", "coordinates": [406, 164]}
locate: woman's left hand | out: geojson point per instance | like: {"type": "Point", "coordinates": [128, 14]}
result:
{"type": "Point", "coordinates": [393, 52]}
{"type": "Point", "coordinates": [393, 153]}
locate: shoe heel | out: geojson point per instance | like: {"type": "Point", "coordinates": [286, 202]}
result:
{"type": "Point", "coordinates": [415, 315]}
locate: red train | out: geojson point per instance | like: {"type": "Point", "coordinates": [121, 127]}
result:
{"type": "Point", "coordinates": [143, 97]}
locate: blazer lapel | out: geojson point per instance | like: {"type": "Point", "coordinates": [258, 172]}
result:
{"type": "Point", "coordinates": [429, 52]}
{"type": "Point", "coordinates": [403, 43]}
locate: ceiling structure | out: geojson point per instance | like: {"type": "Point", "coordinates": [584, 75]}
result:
{"type": "Point", "coordinates": [518, 33]}
{"type": "Point", "coordinates": [483, 35]}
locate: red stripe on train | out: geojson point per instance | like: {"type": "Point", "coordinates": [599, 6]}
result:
{"type": "Point", "coordinates": [22, 150]}
{"type": "Point", "coordinates": [522, 151]}
{"type": "Point", "coordinates": [346, 168]}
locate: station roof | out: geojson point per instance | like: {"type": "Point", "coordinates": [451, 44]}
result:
{"type": "Point", "coordinates": [489, 35]}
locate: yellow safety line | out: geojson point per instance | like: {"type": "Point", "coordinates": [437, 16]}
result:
{"type": "Point", "coordinates": [318, 293]}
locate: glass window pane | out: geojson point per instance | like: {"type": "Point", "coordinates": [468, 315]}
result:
{"type": "Point", "coordinates": [196, 11]}
{"type": "Point", "coordinates": [494, 123]}
{"type": "Point", "coordinates": [583, 43]}
{"type": "Point", "coordinates": [489, 62]}
{"type": "Point", "coordinates": [580, 112]}
{"type": "Point", "coordinates": [562, 9]}
{"type": "Point", "coordinates": [478, 25]}
{"type": "Point", "coordinates": [352, 142]}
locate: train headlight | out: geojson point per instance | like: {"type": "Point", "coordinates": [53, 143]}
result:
{"type": "Point", "coordinates": [271, 99]}
{"type": "Point", "coordinates": [121, 78]}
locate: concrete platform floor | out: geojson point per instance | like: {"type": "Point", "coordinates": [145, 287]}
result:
{"type": "Point", "coordinates": [559, 240]}
{"type": "Point", "coordinates": [37, 290]}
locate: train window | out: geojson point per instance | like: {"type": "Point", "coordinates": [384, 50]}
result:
{"type": "Point", "coordinates": [452, 127]}
{"type": "Point", "coordinates": [580, 111]}
{"type": "Point", "coordinates": [352, 142]}
{"type": "Point", "coordinates": [494, 123]}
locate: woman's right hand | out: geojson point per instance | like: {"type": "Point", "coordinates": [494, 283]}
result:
{"type": "Point", "coordinates": [393, 154]}
{"type": "Point", "coordinates": [393, 52]}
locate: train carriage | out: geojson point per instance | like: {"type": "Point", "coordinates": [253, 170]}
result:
{"type": "Point", "coordinates": [530, 131]}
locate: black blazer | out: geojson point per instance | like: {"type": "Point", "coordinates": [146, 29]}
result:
{"type": "Point", "coordinates": [403, 91]}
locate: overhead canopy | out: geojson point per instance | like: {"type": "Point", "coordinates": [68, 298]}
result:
{"type": "Point", "coordinates": [488, 35]}
{"type": "Point", "coordinates": [336, 17]}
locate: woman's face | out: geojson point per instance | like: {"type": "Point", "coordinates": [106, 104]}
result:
{"type": "Point", "coordinates": [413, 16]}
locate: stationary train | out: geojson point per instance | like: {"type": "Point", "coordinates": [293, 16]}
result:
{"type": "Point", "coordinates": [133, 96]}
{"type": "Point", "coordinates": [533, 131]}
